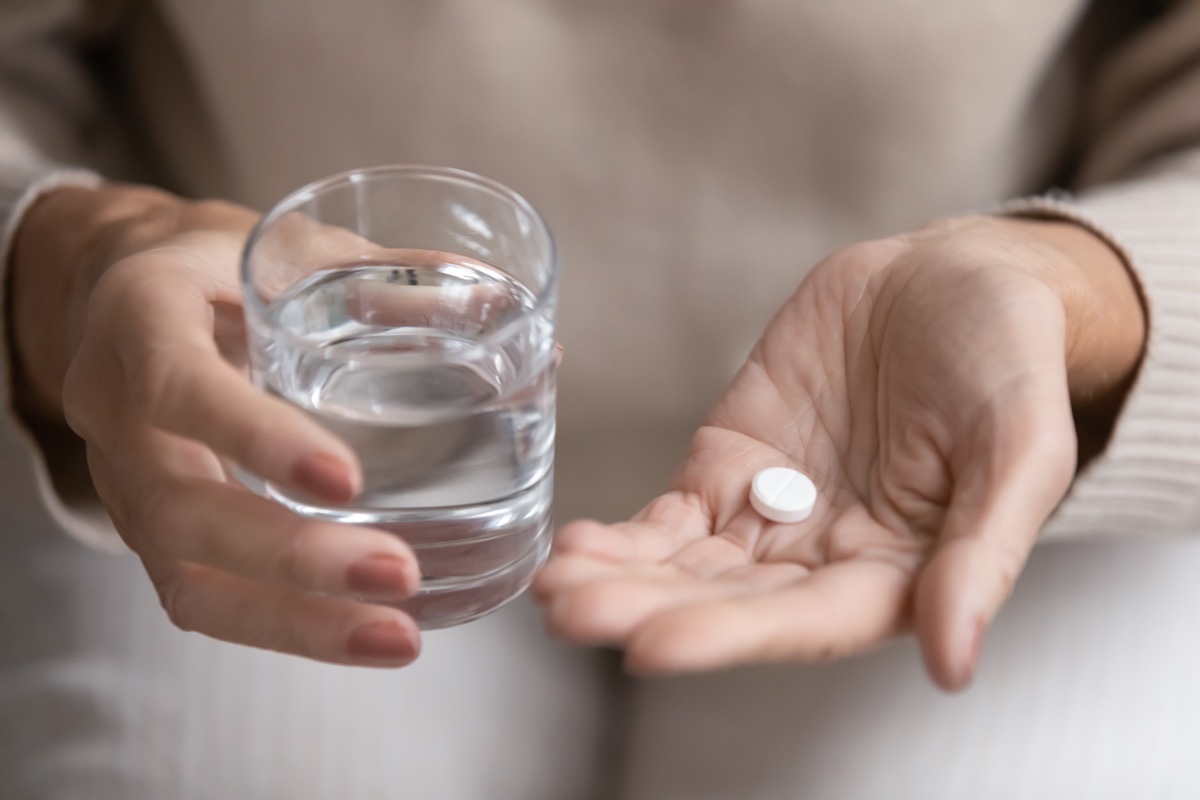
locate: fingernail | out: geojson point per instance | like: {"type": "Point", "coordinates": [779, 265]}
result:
{"type": "Point", "coordinates": [382, 643]}
{"type": "Point", "coordinates": [324, 475]}
{"type": "Point", "coordinates": [973, 650]}
{"type": "Point", "coordinates": [381, 575]}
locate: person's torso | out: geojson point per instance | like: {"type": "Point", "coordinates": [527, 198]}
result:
{"type": "Point", "coordinates": [694, 157]}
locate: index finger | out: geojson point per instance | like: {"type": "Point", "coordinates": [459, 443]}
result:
{"type": "Point", "coordinates": [177, 381]}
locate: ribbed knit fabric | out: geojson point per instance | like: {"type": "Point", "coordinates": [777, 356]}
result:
{"type": "Point", "coordinates": [1148, 480]}
{"type": "Point", "coordinates": [693, 159]}
{"type": "Point", "coordinates": [24, 478]}
{"type": "Point", "coordinates": [52, 130]}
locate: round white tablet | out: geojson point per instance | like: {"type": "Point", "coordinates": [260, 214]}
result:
{"type": "Point", "coordinates": [783, 495]}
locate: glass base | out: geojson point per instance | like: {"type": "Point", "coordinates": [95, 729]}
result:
{"type": "Point", "coordinates": [473, 558]}
{"type": "Point", "coordinates": [447, 602]}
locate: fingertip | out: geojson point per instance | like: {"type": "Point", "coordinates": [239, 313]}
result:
{"type": "Point", "coordinates": [670, 644]}
{"type": "Point", "coordinates": [652, 657]}
{"type": "Point", "coordinates": [950, 621]}
{"type": "Point", "coordinates": [567, 571]}
{"type": "Point", "coordinates": [576, 534]}
{"type": "Point", "coordinates": [594, 538]}
{"type": "Point", "coordinates": [547, 582]}
{"type": "Point", "coordinates": [974, 649]}
{"type": "Point", "coordinates": [953, 665]}
{"type": "Point", "coordinates": [393, 642]}
{"type": "Point", "coordinates": [541, 589]}
{"type": "Point", "coordinates": [642, 664]}
{"type": "Point", "coordinates": [569, 616]}
{"type": "Point", "coordinates": [588, 615]}
{"type": "Point", "coordinates": [328, 477]}
{"type": "Point", "coordinates": [383, 576]}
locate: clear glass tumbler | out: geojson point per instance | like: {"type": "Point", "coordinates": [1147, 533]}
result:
{"type": "Point", "coordinates": [411, 311]}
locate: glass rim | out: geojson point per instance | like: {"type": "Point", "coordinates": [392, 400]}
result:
{"type": "Point", "coordinates": [293, 200]}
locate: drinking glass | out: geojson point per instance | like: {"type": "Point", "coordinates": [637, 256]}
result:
{"type": "Point", "coordinates": [411, 311]}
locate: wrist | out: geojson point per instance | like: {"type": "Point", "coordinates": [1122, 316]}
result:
{"type": "Point", "coordinates": [1106, 325]}
{"type": "Point", "coordinates": [62, 244]}
{"type": "Point", "coordinates": [1105, 314]}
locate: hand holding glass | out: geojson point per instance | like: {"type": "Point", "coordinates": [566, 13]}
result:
{"type": "Point", "coordinates": [411, 311]}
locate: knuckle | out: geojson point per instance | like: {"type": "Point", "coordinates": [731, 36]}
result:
{"type": "Point", "coordinates": [120, 293]}
{"type": "Point", "coordinates": [153, 505]}
{"type": "Point", "coordinates": [152, 215]}
{"type": "Point", "coordinates": [575, 535]}
{"type": "Point", "coordinates": [78, 397]}
{"type": "Point", "coordinates": [121, 317]}
{"type": "Point", "coordinates": [153, 380]}
{"type": "Point", "coordinates": [213, 207]}
{"type": "Point", "coordinates": [210, 213]}
{"type": "Point", "coordinates": [250, 438]}
{"type": "Point", "coordinates": [112, 288]}
{"type": "Point", "coordinates": [210, 206]}
{"type": "Point", "coordinates": [161, 386]}
{"type": "Point", "coordinates": [176, 594]}
{"type": "Point", "coordinates": [292, 564]}
{"type": "Point", "coordinates": [113, 500]}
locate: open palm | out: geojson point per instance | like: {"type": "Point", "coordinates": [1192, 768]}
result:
{"type": "Point", "coordinates": [921, 382]}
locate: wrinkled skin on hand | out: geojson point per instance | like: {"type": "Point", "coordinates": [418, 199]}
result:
{"type": "Point", "coordinates": [147, 366]}
{"type": "Point", "coordinates": [923, 383]}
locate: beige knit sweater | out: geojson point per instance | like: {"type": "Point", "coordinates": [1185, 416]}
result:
{"type": "Point", "coordinates": [693, 156]}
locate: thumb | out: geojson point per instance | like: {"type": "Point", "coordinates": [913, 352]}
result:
{"type": "Point", "coordinates": [1003, 496]}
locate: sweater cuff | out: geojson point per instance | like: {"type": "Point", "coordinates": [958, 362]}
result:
{"type": "Point", "coordinates": [25, 468]}
{"type": "Point", "coordinates": [1148, 478]}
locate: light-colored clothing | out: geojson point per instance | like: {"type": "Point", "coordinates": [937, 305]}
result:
{"type": "Point", "coordinates": [694, 159]}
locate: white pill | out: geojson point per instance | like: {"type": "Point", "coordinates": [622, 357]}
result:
{"type": "Point", "coordinates": [783, 495]}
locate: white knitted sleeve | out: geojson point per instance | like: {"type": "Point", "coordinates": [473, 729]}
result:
{"type": "Point", "coordinates": [47, 120]}
{"type": "Point", "coordinates": [1139, 187]}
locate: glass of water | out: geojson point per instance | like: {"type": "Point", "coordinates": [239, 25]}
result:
{"type": "Point", "coordinates": [411, 311]}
